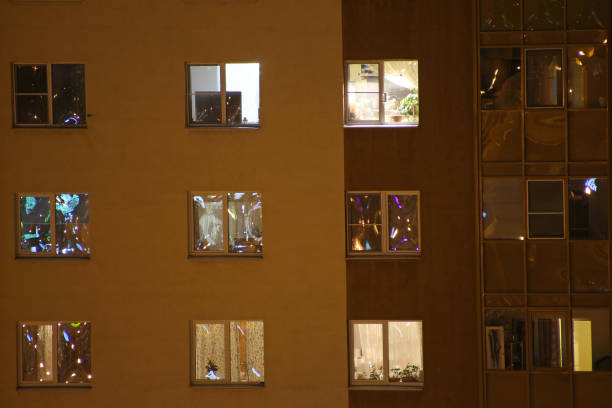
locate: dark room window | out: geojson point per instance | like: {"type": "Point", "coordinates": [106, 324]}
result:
{"type": "Point", "coordinates": [545, 209]}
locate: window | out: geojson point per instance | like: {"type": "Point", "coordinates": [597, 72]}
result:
{"type": "Point", "coordinates": [223, 95]}
{"type": "Point", "coordinates": [386, 353]}
{"type": "Point", "coordinates": [382, 93]}
{"type": "Point", "coordinates": [49, 95]}
{"type": "Point", "coordinates": [227, 352]}
{"type": "Point", "coordinates": [54, 354]}
{"type": "Point", "coordinates": [545, 209]}
{"type": "Point", "coordinates": [226, 223]}
{"type": "Point", "coordinates": [383, 223]}
{"type": "Point", "coordinates": [549, 338]}
{"type": "Point", "coordinates": [44, 231]}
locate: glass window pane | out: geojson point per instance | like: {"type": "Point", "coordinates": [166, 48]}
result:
{"type": "Point", "coordinates": [588, 135]}
{"type": "Point", "coordinates": [31, 109]}
{"type": "Point", "coordinates": [588, 208]}
{"type": "Point", "coordinates": [363, 92]}
{"type": "Point", "coordinates": [68, 94]}
{"type": "Point", "coordinates": [406, 352]}
{"type": "Point", "coordinates": [544, 78]}
{"type": "Point", "coordinates": [206, 108]}
{"type": "Point", "coordinates": [35, 225]}
{"type": "Point", "coordinates": [210, 351]}
{"type": "Point", "coordinates": [501, 136]}
{"type": "Point", "coordinates": [73, 352]}
{"type": "Point", "coordinates": [403, 222]}
{"type": "Point", "coordinates": [37, 353]}
{"type": "Point", "coordinates": [245, 222]}
{"type": "Point", "coordinates": [205, 78]}
{"type": "Point", "coordinates": [545, 196]}
{"type": "Point", "coordinates": [585, 14]}
{"type": "Point", "coordinates": [72, 224]}
{"type": "Point", "coordinates": [401, 92]}
{"type": "Point", "coordinates": [502, 210]}
{"type": "Point", "coordinates": [546, 226]}
{"type": "Point", "coordinates": [363, 106]}
{"type": "Point", "coordinates": [363, 78]}
{"type": "Point", "coordinates": [205, 94]}
{"type": "Point", "coordinates": [500, 15]}
{"type": "Point", "coordinates": [368, 351]}
{"type": "Point", "coordinates": [503, 266]}
{"type": "Point", "coordinates": [587, 76]}
{"type": "Point", "coordinates": [208, 223]}
{"type": "Point", "coordinates": [365, 238]}
{"type": "Point", "coordinates": [242, 84]}
{"type": "Point", "coordinates": [589, 266]}
{"type": "Point", "coordinates": [549, 340]}
{"type": "Point", "coordinates": [364, 208]}
{"type": "Point", "coordinates": [505, 340]}
{"type": "Point", "coordinates": [545, 135]}
{"type": "Point", "coordinates": [543, 14]}
{"type": "Point", "coordinates": [547, 266]}
{"type": "Point", "coordinates": [500, 78]}
{"type": "Point", "coordinates": [30, 78]}
{"type": "Point", "coordinates": [591, 337]}
{"type": "Point", "coordinates": [247, 351]}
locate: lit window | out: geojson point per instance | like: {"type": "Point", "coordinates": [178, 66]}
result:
{"type": "Point", "coordinates": [227, 352]}
{"type": "Point", "coordinates": [47, 231]}
{"type": "Point", "coordinates": [386, 353]}
{"type": "Point", "coordinates": [383, 223]}
{"type": "Point", "coordinates": [382, 93]}
{"type": "Point", "coordinates": [545, 209]}
{"type": "Point", "coordinates": [49, 95]}
{"type": "Point", "coordinates": [591, 339]}
{"type": "Point", "coordinates": [223, 95]}
{"type": "Point", "coordinates": [54, 354]}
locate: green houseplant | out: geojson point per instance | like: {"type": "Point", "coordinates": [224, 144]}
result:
{"type": "Point", "coordinates": [409, 106]}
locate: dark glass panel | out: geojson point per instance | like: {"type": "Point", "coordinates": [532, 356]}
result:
{"type": "Point", "coordinates": [589, 263]}
{"type": "Point", "coordinates": [501, 136]}
{"type": "Point", "coordinates": [585, 14]}
{"type": "Point", "coordinates": [550, 390]}
{"type": "Point", "coordinates": [500, 15]}
{"type": "Point", "coordinates": [546, 226]}
{"type": "Point", "coordinates": [32, 109]}
{"type": "Point", "coordinates": [545, 196]}
{"type": "Point", "coordinates": [587, 76]}
{"type": "Point", "coordinates": [206, 108]}
{"type": "Point", "coordinates": [543, 14]}
{"type": "Point", "coordinates": [544, 78]}
{"type": "Point", "coordinates": [545, 135]}
{"type": "Point", "coordinates": [588, 208]}
{"type": "Point", "coordinates": [587, 134]}
{"type": "Point", "coordinates": [68, 94]}
{"type": "Point", "coordinates": [30, 78]}
{"type": "Point", "coordinates": [546, 300]}
{"type": "Point", "coordinates": [507, 390]}
{"type": "Point", "coordinates": [547, 267]}
{"type": "Point", "coordinates": [549, 337]}
{"type": "Point", "coordinates": [500, 78]}
{"type": "Point", "coordinates": [502, 212]}
{"type": "Point", "coordinates": [504, 300]}
{"type": "Point", "coordinates": [505, 340]}
{"type": "Point", "coordinates": [503, 266]}
{"type": "Point", "coordinates": [234, 108]}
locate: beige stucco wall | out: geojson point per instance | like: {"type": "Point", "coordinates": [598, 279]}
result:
{"type": "Point", "coordinates": [137, 161]}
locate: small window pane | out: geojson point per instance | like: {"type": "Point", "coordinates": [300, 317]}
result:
{"type": "Point", "coordinates": [545, 135]}
{"type": "Point", "coordinates": [242, 83]}
{"type": "Point", "coordinates": [501, 136]}
{"type": "Point", "coordinates": [583, 14]}
{"type": "Point", "coordinates": [588, 135]}
{"type": "Point", "coordinates": [365, 238]}
{"type": "Point", "coordinates": [549, 337]}
{"type": "Point", "coordinates": [505, 340]}
{"type": "Point", "coordinates": [37, 353]}
{"type": "Point", "coordinates": [363, 92]}
{"type": "Point", "coordinates": [368, 351]}
{"type": "Point", "coordinates": [364, 209]}
{"type": "Point", "coordinates": [589, 266]}
{"type": "Point", "coordinates": [588, 202]}
{"type": "Point", "coordinates": [545, 196]}
{"type": "Point", "coordinates": [403, 222]}
{"type": "Point", "coordinates": [401, 92]}
{"type": "Point", "coordinates": [503, 208]}
{"type": "Point", "coordinates": [591, 336]}
{"type": "Point", "coordinates": [72, 224]}
{"type": "Point", "coordinates": [503, 266]}
{"type": "Point", "coordinates": [500, 15]}
{"type": "Point", "coordinates": [363, 106]}
{"type": "Point", "coordinates": [547, 267]}
{"type": "Point", "coordinates": [245, 222]}
{"type": "Point", "coordinates": [32, 109]}
{"type": "Point", "coordinates": [210, 351]}
{"type": "Point", "coordinates": [247, 351]}
{"type": "Point", "coordinates": [405, 352]}
{"type": "Point", "coordinates": [587, 76]}
{"type": "Point", "coordinates": [500, 78]}
{"type": "Point", "coordinates": [205, 90]}
{"type": "Point", "coordinates": [31, 78]}
{"type": "Point", "coordinates": [73, 352]}
{"type": "Point", "coordinates": [68, 94]}
{"type": "Point", "coordinates": [35, 226]}
{"type": "Point", "coordinates": [543, 14]}
{"type": "Point", "coordinates": [208, 223]}
{"type": "Point", "coordinates": [546, 226]}
{"type": "Point", "coordinates": [544, 78]}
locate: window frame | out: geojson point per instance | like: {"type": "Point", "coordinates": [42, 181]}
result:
{"type": "Point", "coordinates": [227, 355]}
{"type": "Point", "coordinates": [20, 254]}
{"type": "Point", "coordinates": [225, 252]}
{"type": "Point", "coordinates": [385, 252]}
{"type": "Point", "coordinates": [353, 383]}
{"type": "Point", "coordinates": [564, 87]}
{"type": "Point", "coordinates": [55, 383]}
{"type": "Point", "coordinates": [381, 98]}
{"type": "Point", "coordinates": [223, 94]}
{"type": "Point", "coordinates": [564, 213]}
{"type": "Point", "coordinates": [48, 94]}
{"type": "Point", "coordinates": [567, 358]}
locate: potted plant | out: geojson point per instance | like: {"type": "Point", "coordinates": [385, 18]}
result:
{"type": "Point", "coordinates": [410, 373]}
{"type": "Point", "coordinates": [212, 369]}
{"type": "Point", "coordinates": [395, 375]}
{"type": "Point", "coordinates": [409, 106]}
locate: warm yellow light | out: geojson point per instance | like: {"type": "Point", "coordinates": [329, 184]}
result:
{"type": "Point", "coordinates": [583, 348]}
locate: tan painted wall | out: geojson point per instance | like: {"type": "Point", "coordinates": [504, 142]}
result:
{"type": "Point", "coordinates": [137, 161]}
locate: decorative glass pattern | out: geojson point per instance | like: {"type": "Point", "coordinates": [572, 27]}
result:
{"type": "Point", "coordinates": [37, 353]}
{"type": "Point", "coordinates": [68, 94]}
{"type": "Point", "coordinates": [247, 351]}
{"type": "Point", "coordinates": [72, 223]}
{"type": "Point", "coordinates": [403, 222]}
{"type": "Point", "coordinates": [208, 222]}
{"type": "Point", "coordinates": [500, 15]}
{"type": "Point", "coordinates": [365, 222]}
{"type": "Point", "coordinates": [245, 222]}
{"type": "Point", "coordinates": [210, 352]}
{"type": "Point", "coordinates": [73, 352]}
{"type": "Point", "coordinates": [35, 224]}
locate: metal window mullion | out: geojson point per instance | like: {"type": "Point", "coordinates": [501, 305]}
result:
{"type": "Point", "coordinates": [226, 226]}
{"type": "Point", "coordinates": [385, 222]}
{"type": "Point", "coordinates": [52, 225]}
{"type": "Point", "coordinates": [49, 94]}
{"type": "Point", "coordinates": [385, 325]}
{"type": "Point", "coordinates": [54, 345]}
{"type": "Point", "coordinates": [228, 352]}
{"type": "Point", "coordinates": [381, 92]}
{"type": "Point", "coordinates": [223, 95]}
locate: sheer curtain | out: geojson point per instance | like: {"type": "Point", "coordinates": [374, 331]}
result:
{"type": "Point", "coordinates": [368, 349]}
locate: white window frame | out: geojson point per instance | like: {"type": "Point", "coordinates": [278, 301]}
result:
{"type": "Point", "coordinates": [381, 96]}
{"type": "Point", "coordinates": [385, 225]}
{"type": "Point", "coordinates": [385, 332]}
{"type": "Point", "coordinates": [564, 200]}
{"type": "Point", "coordinates": [227, 355]}
{"type": "Point", "coordinates": [54, 335]}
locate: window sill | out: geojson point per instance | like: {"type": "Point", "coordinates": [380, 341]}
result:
{"type": "Point", "coordinates": [249, 127]}
{"type": "Point", "coordinates": [245, 386]}
{"type": "Point", "coordinates": [387, 387]}
{"type": "Point", "coordinates": [385, 257]}
{"type": "Point", "coordinates": [27, 256]}
{"type": "Point", "coordinates": [55, 385]}
{"type": "Point", "coordinates": [373, 125]}
{"type": "Point", "coordinates": [239, 255]}
{"type": "Point", "coordinates": [29, 127]}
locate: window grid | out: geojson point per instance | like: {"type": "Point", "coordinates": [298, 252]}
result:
{"type": "Point", "coordinates": [564, 212]}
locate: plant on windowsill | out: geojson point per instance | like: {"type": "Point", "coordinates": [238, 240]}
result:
{"type": "Point", "coordinates": [395, 375]}
{"type": "Point", "coordinates": [410, 373]}
{"type": "Point", "coordinates": [409, 106]}
{"type": "Point", "coordinates": [374, 374]}
{"type": "Point", "coordinates": [212, 369]}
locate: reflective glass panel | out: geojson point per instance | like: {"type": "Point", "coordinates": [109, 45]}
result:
{"type": "Point", "coordinates": [401, 92]}
{"type": "Point", "coordinates": [545, 135]}
{"type": "Point", "coordinates": [505, 340]}
{"type": "Point", "coordinates": [500, 78]}
{"type": "Point", "coordinates": [588, 135]}
{"type": "Point", "coordinates": [30, 78]}
{"type": "Point", "coordinates": [242, 84]}
{"type": "Point", "coordinates": [585, 14]}
{"type": "Point", "coordinates": [543, 14]}
{"type": "Point", "coordinates": [501, 136]}
{"type": "Point", "coordinates": [68, 94]}
{"type": "Point", "coordinates": [365, 222]}
{"type": "Point", "coordinates": [31, 109]}
{"type": "Point", "coordinates": [205, 94]}
{"type": "Point", "coordinates": [503, 266]}
{"type": "Point", "coordinates": [591, 337]}
{"type": "Point", "coordinates": [365, 238]}
{"type": "Point", "coordinates": [368, 351]}
{"type": "Point", "coordinates": [545, 206]}
{"type": "Point", "coordinates": [587, 76]}
{"type": "Point", "coordinates": [210, 351]}
{"type": "Point", "coordinates": [406, 352]}
{"type": "Point", "coordinates": [72, 224]}
{"type": "Point", "coordinates": [588, 208]}
{"type": "Point", "coordinates": [363, 92]}
{"type": "Point", "coordinates": [547, 266]}
{"type": "Point", "coordinates": [589, 266]}
{"type": "Point", "coordinates": [247, 351]}
{"type": "Point", "coordinates": [208, 223]}
{"type": "Point", "coordinates": [73, 352]}
{"type": "Point", "coordinates": [403, 222]}
{"type": "Point", "coordinates": [35, 225]}
{"type": "Point", "coordinates": [245, 222]}
{"type": "Point", "coordinates": [502, 210]}
{"type": "Point", "coordinates": [549, 340]}
{"type": "Point", "coordinates": [544, 78]}
{"type": "Point", "coordinates": [500, 15]}
{"type": "Point", "coordinates": [37, 353]}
